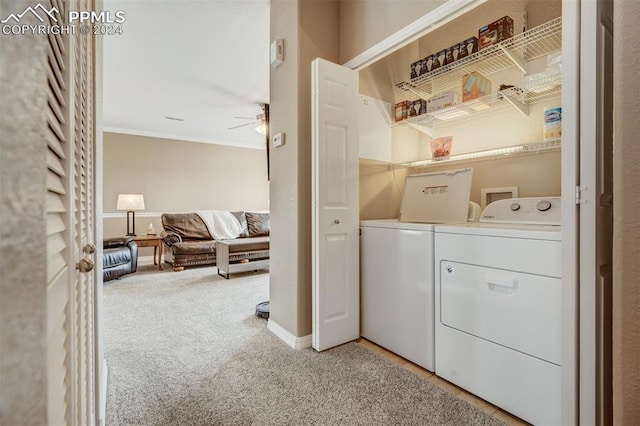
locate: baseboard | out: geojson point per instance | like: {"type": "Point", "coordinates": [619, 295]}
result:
{"type": "Point", "coordinates": [102, 416]}
{"type": "Point", "coordinates": [288, 338]}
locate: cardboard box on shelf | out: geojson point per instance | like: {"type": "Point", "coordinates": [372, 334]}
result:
{"type": "Point", "coordinates": [441, 147]}
{"type": "Point", "coordinates": [418, 107]}
{"type": "Point", "coordinates": [468, 47]}
{"type": "Point", "coordinates": [474, 85]}
{"type": "Point", "coordinates": [401, 110]}
{"type": "Point", "coordinates": [495, 32]}
{"type": "Point", "coordinates": [440, 59]}
{"type": "Point", "coordinates": [443, 100]}
{"type": "Point", "coordinates": [417, 68]}
{"type": "Point", "coordinates": [428, 64]}
{"type": "Point", "coordinates": [453, 53]}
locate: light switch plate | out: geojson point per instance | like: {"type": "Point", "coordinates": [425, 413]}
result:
{"type": "Point", "coordinates": [278, 139]}
{"type": "Point", "coordinates": [277, 53]}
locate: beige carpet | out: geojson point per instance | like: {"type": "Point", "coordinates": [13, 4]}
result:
{"type": "Point", "coordinates": [186, 349]}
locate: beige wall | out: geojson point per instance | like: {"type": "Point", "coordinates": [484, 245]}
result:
{"type": "Point", "coordinates": [309, 29]}
{"type": "Point", "coordinates": [365, 23]}
{"type": "Point", "coordinates": [626, 250]}
{"type": "Point", "coordinates": [23, 236]}
{"type": "Point", "coordinates": [178, 176]}
{"type": "Point", "coordinates": [534, 175]}
{"type": "Point", "coordinates": [283, 116]}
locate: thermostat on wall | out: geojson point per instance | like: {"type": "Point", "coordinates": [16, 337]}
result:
{"type": "Point", "coordinates": [277, 52]}
{"type": "Point", "coordinates": [278, 139]}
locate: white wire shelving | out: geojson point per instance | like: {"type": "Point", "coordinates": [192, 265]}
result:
{"type": "Point", "coordinates": [516, 51]}
{"type": "Point", "coordinates": [489, 154]}
{"type": "Point", "coordinates": [520, 98]}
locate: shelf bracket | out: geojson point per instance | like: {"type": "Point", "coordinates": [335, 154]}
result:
{"type": "Point", "coordinates": [517, 61]}
{"type": "Point", "coordinates": [520, 106]}
{"type": "Point", "coordinates": [424, 129]}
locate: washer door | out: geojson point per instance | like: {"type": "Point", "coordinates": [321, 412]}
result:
{"type": "Point", "coordinates": [515, 310]}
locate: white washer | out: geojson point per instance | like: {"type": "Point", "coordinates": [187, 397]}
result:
{"type": "Point", "coordinates": [397, 292]}
{"type": "Point", "coordinates": [499, 305]}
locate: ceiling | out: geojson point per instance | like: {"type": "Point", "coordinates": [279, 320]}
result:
{"type": "Point", "coordinates": [202, 61]}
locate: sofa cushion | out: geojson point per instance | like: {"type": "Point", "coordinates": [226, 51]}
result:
{"type": "Point", "coordinates": [194, 247]}
{"type": "Point", "coordinates": [258, 224]}
{"type": "Point", "coordinates": [188, 225]}
{"type": "Point", "coordinates": [242, 218]}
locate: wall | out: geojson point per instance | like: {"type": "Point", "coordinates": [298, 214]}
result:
{"type": "Point", "coordinates": [626, 237]}
{"type": "Point", "coordinates": [365, 23]}
{"type": "Point", "coordinates": [310, 30]}
{"type": "Point", "coordinates": [178, 176]}
{"type": "Point", "coordinates": [534, 175]}
{"type": "Point", "coordinates": [23, 254]}
{"type": "Point", "coordinates": [283, 116]}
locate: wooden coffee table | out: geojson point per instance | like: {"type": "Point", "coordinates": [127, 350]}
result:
{"type": "Point", "coordinates": [154, 241]}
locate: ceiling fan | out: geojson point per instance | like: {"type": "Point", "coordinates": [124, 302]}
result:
{"type": "Point", "coordinates": [260, 121]}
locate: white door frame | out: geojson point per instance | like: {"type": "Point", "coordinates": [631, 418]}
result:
{"type": "Point", "coordinates": [100, 361]}
{"type": "Point", "coordinates": [570, 163]}
{"type": "Point", "coordinates": [596, 211]}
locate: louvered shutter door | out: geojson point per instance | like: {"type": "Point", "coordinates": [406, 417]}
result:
{"type": "Point", "coordinates": [58, 318]}
{"type": "Point", "coordinates": [70, 224]}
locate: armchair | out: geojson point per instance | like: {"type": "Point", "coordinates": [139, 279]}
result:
{"type": "Point", "coordinates": [120, 257]}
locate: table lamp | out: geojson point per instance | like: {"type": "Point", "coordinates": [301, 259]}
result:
{"type": "Point", "coordinates": [130, 203]}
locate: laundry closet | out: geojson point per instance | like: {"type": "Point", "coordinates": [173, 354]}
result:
{"type": "Point", "coordinates": [450, 145]}
{"type": "Point", "coordinates": [496, 131]}
{"type": "Point", "coordinates": [498, 148]}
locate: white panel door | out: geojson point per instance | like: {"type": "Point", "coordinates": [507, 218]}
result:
{"type": "Point", "coordinates": [71, 214]}
{"type": "Point", "coordinates": [335, 240]}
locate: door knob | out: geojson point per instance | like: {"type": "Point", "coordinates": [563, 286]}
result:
{"type": "Point", "coordinates": [89, 248]}
{"type": "Point", "coordinates": [336, 221]}
{"type": "Point", "coordinates": [85, 265]}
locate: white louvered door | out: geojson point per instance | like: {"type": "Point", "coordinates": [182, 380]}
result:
{"type": "Point", "coordinates": [70, 226]}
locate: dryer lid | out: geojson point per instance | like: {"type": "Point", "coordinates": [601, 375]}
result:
{"type": "Point", "coordinates": [436, 197]}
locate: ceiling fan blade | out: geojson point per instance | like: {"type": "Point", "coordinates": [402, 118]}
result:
{"type": "Point", "coordinates": [242, 125]}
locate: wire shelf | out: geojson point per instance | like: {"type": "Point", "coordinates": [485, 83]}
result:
{"type": "Point", "coordinates": [520, 98]}
{"type": "Point", "coordinates": [516, 51]}
{"type": "Point", "coordinates": [532, 148]}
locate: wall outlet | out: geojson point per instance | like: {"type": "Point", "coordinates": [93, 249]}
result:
{"type": "Point", "coordinates": [278, 139]}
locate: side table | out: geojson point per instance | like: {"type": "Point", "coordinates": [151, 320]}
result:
{"type": "Point", "coordinates": [154, 241]}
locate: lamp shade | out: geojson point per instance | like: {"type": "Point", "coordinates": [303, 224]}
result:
{"type": "Point", "coordinates": [130, 202]}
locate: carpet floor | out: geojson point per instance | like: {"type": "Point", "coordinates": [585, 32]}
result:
{"type": "Point", "coordinates": [186, 349]}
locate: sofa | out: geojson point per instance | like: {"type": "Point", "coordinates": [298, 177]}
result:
{"type": "Point", "coordinates": [119, 257]}
{"type": "Point", "coordinates": [188, 240]}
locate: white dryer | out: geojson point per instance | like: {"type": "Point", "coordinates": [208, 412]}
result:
{"type": "Point", "coordinates": [499, 304]}
{"type": "Point", "coordinates": [396, 262]}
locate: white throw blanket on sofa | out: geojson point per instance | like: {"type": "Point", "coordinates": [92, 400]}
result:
{"type": "Point", "coordinates": [222, 225]}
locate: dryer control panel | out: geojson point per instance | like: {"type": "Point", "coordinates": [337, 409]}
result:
{"type": "Point", "coordinates": [528, 211]}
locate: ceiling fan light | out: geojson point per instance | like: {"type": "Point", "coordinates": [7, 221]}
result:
{"type": "Point", "coordinates": [262, 128]}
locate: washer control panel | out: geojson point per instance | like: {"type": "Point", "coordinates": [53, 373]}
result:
{"type": "Point", "coordinates": [528, 211]}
